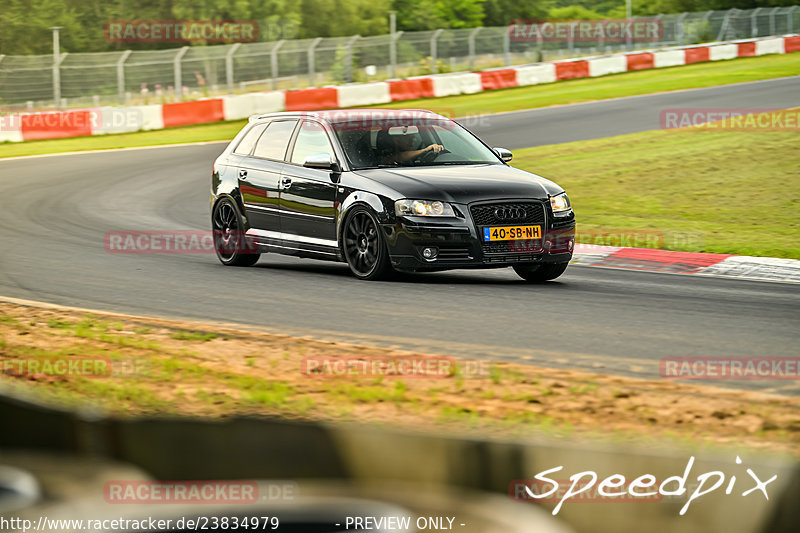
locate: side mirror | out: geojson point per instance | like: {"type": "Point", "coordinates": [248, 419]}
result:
{"type": "Point", "coordinates": [504, 154]}
{"type": "Point", "coordinates": [322, 162]}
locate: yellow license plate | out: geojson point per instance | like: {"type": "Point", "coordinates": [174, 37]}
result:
{"type": "Point", "coordinates": [511, 233]}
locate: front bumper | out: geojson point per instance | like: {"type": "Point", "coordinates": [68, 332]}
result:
{"type": "Point", "coordinates": [458, 244]}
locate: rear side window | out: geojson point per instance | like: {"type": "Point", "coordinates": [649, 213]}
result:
{"type": "Point", "coordinates": [249, 140]}
{"type": "Point", "coordinates": [273, 142]}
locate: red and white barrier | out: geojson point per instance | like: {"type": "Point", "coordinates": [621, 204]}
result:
{"type": "Point", "coordinates": [721, 52]}
{"type": "Point", "coordinates": [410, 89]}
{"type": "Point", "coordinates": [243, 105]}
{"type": "Point", "coordinates": [455, 84]}
{"type": "Point", "coordinates": [197, 112]}
{"type": "Point", "coordinates": [359, 94]}
{"type": "Point", "coordinates": [770, 46]}
{"type": "Point", "coordinates": [498, 79]}
{"type": "Point", "coordinates": [10, 129]}
{"type": "Point", "coordinates": [58, 124]}
{"type": "Point", "coordinates": [641, 61]}
{"type": "Point", "coordinates": [668, 58]}
{"type": "Point", "coordinates": [569, 70]}
{"type": "Point", "coordinates": [78, 122]}
{"type": "Point", "coordinates": [536, 74]}
{"type": "Point", "coordinates": [312, 99]}
{"type": "Point", "coordinates": [699, 54]}
{"type": "Point", "coordinates": [602, 66]}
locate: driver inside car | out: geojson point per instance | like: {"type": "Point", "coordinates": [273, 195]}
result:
{"type": "Point", "coordinates": [399, 147]}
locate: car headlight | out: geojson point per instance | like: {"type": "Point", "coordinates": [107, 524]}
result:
{"type": "Point", "coordinates": [423, 208]}
{"type": "Point", "coordinates": [560, 204]}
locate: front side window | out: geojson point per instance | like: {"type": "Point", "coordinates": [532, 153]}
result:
{"type": "Point", "coordinates": [273, 142]}
{"type": "Point", "coordinates": [311, 140]}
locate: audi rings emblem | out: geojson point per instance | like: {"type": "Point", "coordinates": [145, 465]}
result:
{"type": "Point", "coordinates": [509, 213]}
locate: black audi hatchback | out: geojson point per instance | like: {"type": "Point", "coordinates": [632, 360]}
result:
{"type": "Point", "coordinates": [384, 190]}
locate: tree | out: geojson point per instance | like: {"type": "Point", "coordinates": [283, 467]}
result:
{"type": "Point", "coordinates": [504, 12]}
{"type": "Point", "coordinates": [461, 13]}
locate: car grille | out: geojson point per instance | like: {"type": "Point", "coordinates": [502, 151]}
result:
{"type": "Point", "coordinates": [484, 215]}
{"type": "Point", "coordinates": [516, 258]}
{"type": "Point", "coordinates": [533, 213]}
{"type": "Point", "coordinates": [454, 254]}
{"type": "Point", "coordinates": [513, 247]}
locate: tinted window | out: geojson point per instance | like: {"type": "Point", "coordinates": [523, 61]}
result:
{"type": "Point", "coordinates": [273, 143]}
{"type": "Point", "coordinates": [249, 140]}
{"type": "Point", "coordinates": [311, 140]}
{"type": "Point", "coordinates": [409, 140]}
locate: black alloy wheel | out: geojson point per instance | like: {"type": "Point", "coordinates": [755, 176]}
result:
{"type": "Point", "coordinates": [364, 248]}
{"type": "Point", "coordinates": [230, 243]}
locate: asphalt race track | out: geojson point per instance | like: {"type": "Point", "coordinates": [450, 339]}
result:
{"type": "Point", "coordinates": [56, 210]}
{"type": "Point", "coordinates": [608, 118]}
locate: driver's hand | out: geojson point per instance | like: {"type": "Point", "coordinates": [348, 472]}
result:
{"type": "Point", "coordinates": [435, 147]}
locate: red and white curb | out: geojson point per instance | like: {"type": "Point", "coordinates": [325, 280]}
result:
{"type": "Point", "coordinates": [105, 120]}
{"type": "Point", "coordinates": [716, 265]}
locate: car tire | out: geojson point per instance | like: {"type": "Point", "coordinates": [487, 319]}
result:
{"type": "Point", "coordinates": [230, 242]}
{"type": "Point", "coordinates": [541, 272]}
{"type": "Point", "coordinates": [364, 247]}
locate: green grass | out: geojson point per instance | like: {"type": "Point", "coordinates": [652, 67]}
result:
{"type": "Point", "coordinates": [612, 86]}
{"type": "Point", "coordinates": [566, 92]}
{"type": "Point", "coordinates": [732, 192]}
{"type": "Point", "coordinates": [183, 335]}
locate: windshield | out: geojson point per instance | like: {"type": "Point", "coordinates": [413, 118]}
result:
{"type": "Point", "coordinates": [412, 141]}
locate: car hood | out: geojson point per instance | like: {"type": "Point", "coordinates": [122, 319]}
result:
{"type": "Point", "coordinates": [462, 184]}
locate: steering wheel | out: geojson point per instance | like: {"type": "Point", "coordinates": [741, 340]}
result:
{"type": "Point", "coordinates": [430, 155]}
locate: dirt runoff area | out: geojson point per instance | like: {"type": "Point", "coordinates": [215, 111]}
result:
{"type": "Point", "coordinates": [138, 366]}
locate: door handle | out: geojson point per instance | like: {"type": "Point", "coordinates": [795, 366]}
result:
{"type": "Point", "coordinates": [286, 183]}
{"type": "Point", "coordinates": [242, 174]}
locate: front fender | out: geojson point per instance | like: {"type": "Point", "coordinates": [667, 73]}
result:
{"type": "Point", "coordinates": [379, 206]}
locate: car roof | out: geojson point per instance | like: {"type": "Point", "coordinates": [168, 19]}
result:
{"type": "Point", "coordinates": [346, 115]}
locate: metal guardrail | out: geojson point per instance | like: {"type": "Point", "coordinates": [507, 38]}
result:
{"type": "Point", "coordinates": [159, 76]}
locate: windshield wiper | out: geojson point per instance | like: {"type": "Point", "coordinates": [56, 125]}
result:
{"type": "Point", "coordinates": [436, 163]}
{"type": "Point", "coordinates": [373, 168]}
